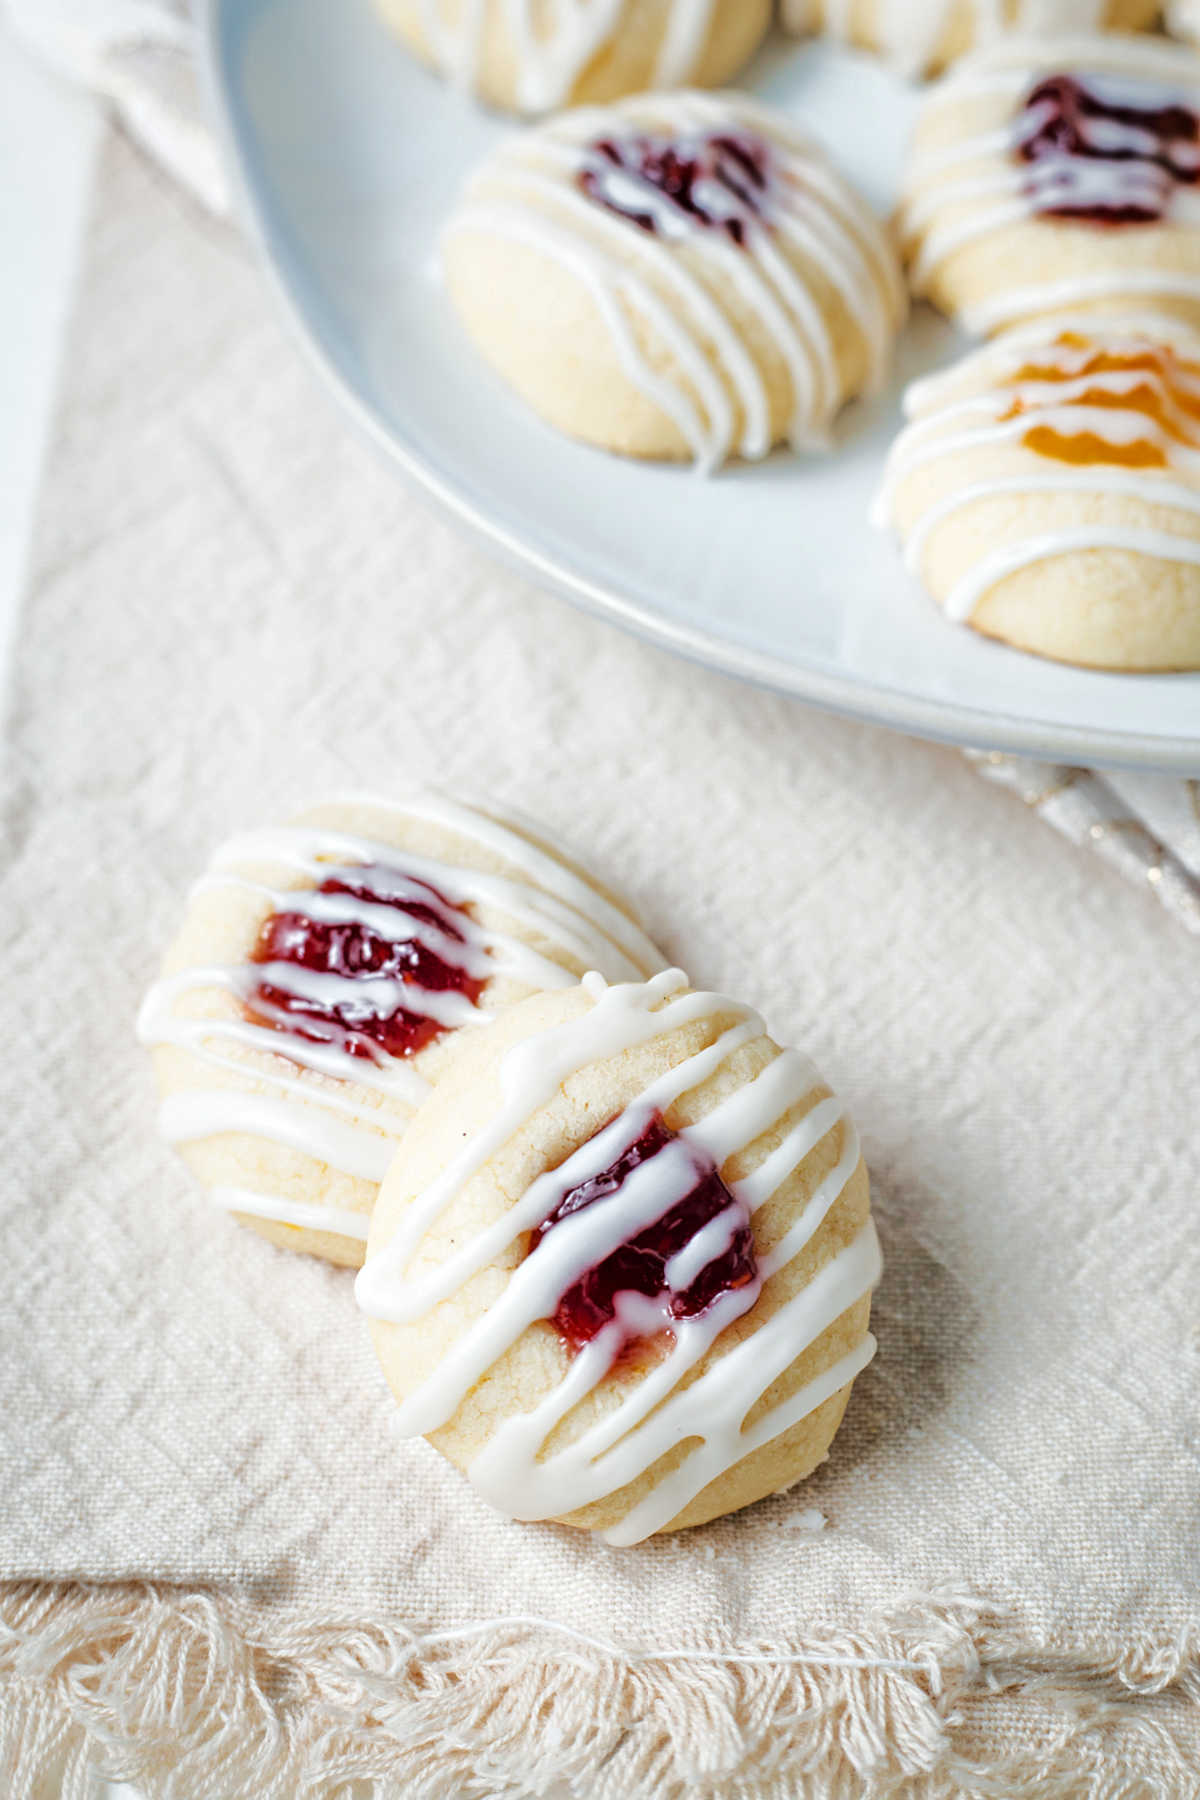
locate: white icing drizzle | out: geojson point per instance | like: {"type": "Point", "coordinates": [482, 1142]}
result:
{"type": "Point", "coordinates": [512, 1471]}
{"type": "Point", "coordinates": [985, 402]}
{"type": "Point", "coordinates": [210, 1112]}
{"type": "Point", "coordinates": [966, 594]}
{"type": "Point", "coordinates": [1052, 297]}
{"type": "Point", "coordinates": [911, 32]}
{"type": "Point", "coordinates": [713, 389]}
{"type": "Point", "coordinates": [553, 47]}
{"type": "Point", "coordinates": [965, 191]}
{"type": "Point", "coordinates": [307, 1217]}
{"type": "Point", "coordinates": [331, 1118]}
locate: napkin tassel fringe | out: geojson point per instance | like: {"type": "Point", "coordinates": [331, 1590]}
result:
{"type": "Point", "coordinates": [219, 1696]}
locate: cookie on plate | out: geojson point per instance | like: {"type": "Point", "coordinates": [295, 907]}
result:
{"type": "Point", "coordinates": [1047, 490]}
{"type": "Point", "coordinates": [1058, 174]}
{"type": "Point", "coordinates": [321, 975]}
{"type": "Point", "coordinates": [679, 276]}
{"type": "Point", "coordinates": [620, 1273]}
{"type": "Point", "coordinates": [532, 56]}
{"type": "Point", "coordinates": [920, 36]}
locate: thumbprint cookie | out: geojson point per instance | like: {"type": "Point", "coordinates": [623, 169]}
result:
{"type": "Point", "coordinates": [1047, 490]}
{"type": "Point", "coordinates": [1058, 174]}
{"type": "Point", "coordinates": [321, 976]}
{"type": "Point", "coordinates": [682, 276]}
{"type": "Point", "coordinates": [620, 1272]}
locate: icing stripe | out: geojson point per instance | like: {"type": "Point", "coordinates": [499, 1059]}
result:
{"type": "Point", "coordinates": [160, 1024]}
{"type": "Point", "coordinates": [513, 1471]}
{"type": "Point", "coordinates": [1134, 487]}
{"type": "Point", "coordinates": [688, 28]}
{"type": "Point", "coordinates": [286, 1211]}
{"type": "Point", "coordinates": [211, 1112]}
{"type": "Point", "coordinates": [966, 594]}
{"type": "Point", "coordinates": [1013, 304]}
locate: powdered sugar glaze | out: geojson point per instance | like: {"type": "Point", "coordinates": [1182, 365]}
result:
{"type": "Point", "coordinates": [513, 1472]}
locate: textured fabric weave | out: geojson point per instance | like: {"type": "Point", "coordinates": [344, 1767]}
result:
{"type": "Point", "coordinates": [235, 610]}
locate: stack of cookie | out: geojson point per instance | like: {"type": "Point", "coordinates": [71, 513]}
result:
{"type": "Point", "coordinates": [619, 1253]}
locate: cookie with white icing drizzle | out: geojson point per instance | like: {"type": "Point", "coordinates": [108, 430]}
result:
{"type": "Point", "coordinates": [620, 1272]}
{"type": "Point", "coordinates": [921, 36]}
{"type": "Point", "coordinates": [320, 978]}
{"type": "Point", "coordinates": [1047, 490]}
{"type": "Point", "coordinates": [681, 276]}
{"type": "Point", "coordinates": [1056, 175]}
{"type": "Point", "coordinates": [533, 56]}
{"type": "Point", "coordinates": [1183, 18]}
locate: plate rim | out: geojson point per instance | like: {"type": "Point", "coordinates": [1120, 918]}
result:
{"type": "Point", "coordinates": [932, 720]}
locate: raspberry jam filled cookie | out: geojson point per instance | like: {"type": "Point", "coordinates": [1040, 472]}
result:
{"type": "Point", "coordinates": [920, 36]}
{"type": "Point", "coordinates": [320, 978]}
{"type": "Point", "coordinates": [1047, 491]}
{"type": "Point", "coordinates": [620, 1272]}
{"type": "Point", "coordinates": [532, 56]}
{"type": "Point", "coordinates": [1058, 174]}
{"type": "Point", "coordinates": [683, 276]}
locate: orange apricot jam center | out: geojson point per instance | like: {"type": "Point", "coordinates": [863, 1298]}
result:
{"type": "Point", "coordinates": [1162, 399]}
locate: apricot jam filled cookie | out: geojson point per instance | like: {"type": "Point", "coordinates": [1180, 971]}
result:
{"type": "Point", "coordinates": [620, 1271]}
{"type": "Point", "coordinates": [320, 978]}
{"type": "Point", "coordinates": [1047, 490]}
{"type": "Point", "coordinates": [681, 276]}
{"type": "Point", "coordinates": [1058, 174]}
{"type": "Point", "coordinates": [919, 36]}
{"type": "Point", "coordinates": [532, 56]}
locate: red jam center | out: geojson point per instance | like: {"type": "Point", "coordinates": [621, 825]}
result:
{"type": "Point", "coordinates": [716, 179]}
{"type": "Point", "coordinates": [1114, 162]}
{"type": "Point", "coordinates": [640, 1266]}
{"type": "Point", "coordinates": [356, 952]}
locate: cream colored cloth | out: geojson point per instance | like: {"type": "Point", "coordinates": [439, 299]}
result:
{"type": "Point", "coordinates": [236, 609]}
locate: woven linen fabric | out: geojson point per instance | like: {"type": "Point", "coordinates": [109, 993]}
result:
{"type": "Point", "coordinates": [217, 1547]}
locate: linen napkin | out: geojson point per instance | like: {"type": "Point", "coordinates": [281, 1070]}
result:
{"type": "Point", "coordinates": [226, 1576]}
{"type": "Point", "coordinates": [139, 54]}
